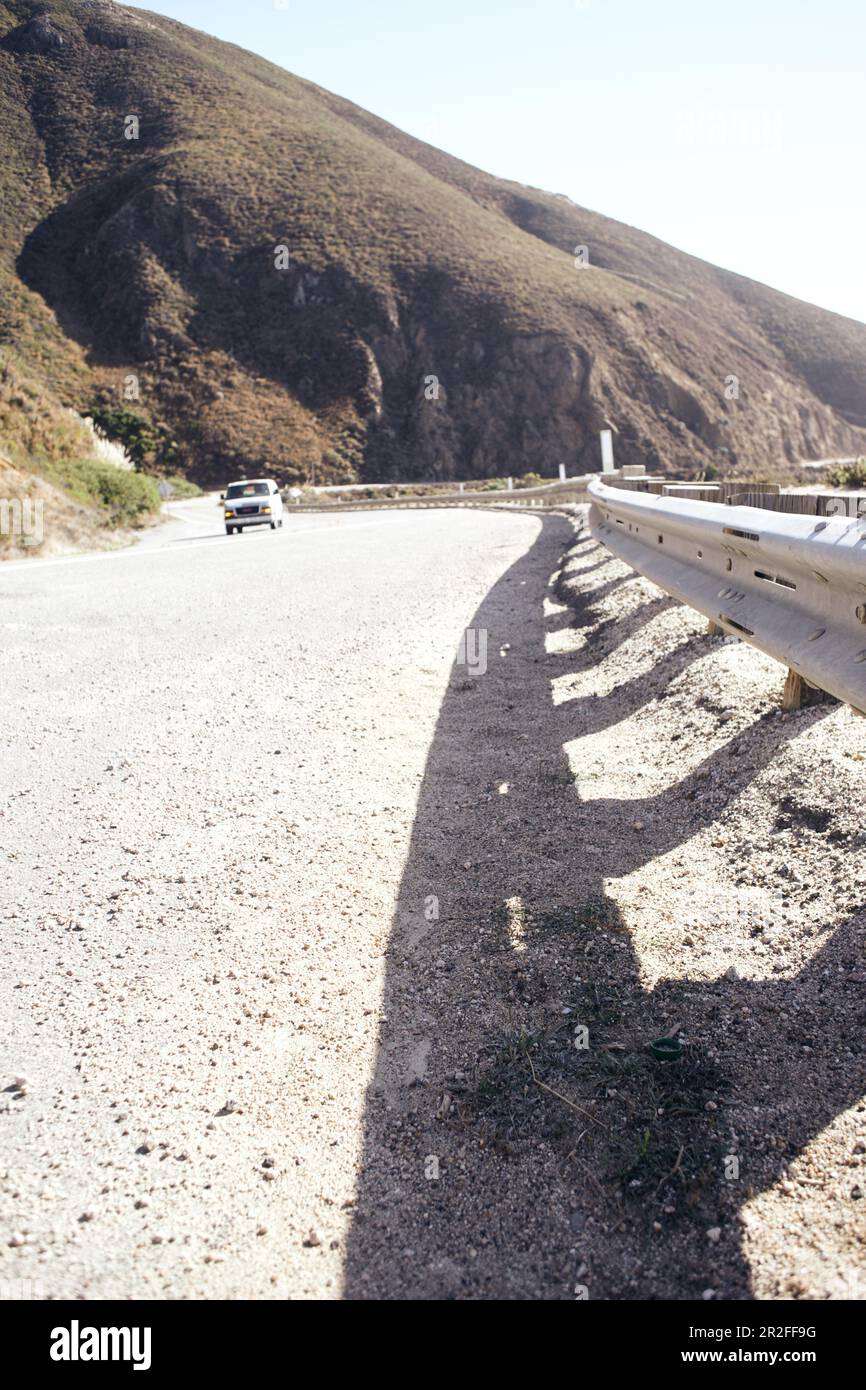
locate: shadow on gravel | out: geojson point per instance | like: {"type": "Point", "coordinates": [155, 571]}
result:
{"type": "Point", "coordinates": [610, 634]}
{"type": "Point", "coordinates": [500, 1160]}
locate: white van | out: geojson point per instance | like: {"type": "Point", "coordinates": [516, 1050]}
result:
{"type": "Point", "coordinates": [252, 502]}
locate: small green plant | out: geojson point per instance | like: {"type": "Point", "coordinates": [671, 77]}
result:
{"type": "Point", "coordinates": [848, 474]}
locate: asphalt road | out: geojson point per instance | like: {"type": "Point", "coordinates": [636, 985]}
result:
{"type": "Point", "coordinates": [212, 754]}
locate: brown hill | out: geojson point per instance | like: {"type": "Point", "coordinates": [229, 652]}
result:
{"type": "Point", "coordinates": [155, 258]}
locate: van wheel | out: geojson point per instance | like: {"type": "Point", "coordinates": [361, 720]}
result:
{"type": "Point", "coordinates": [230, 530]}
{"type": "Point", "coordinates": [273, 526]}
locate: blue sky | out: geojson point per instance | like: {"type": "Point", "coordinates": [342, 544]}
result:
{"type": "Point", "coordinates": [734, 131]}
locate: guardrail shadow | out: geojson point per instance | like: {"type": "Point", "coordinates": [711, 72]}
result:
{"type": "Point", "coordinates": [586, 617]}
{"type": "Point", "coordinates": [499, 1160]}
{"type": "Point", "coordinates": [594, 714]}
{"type": "Point", "coordinates": [608, 633]}
{"type": "Point", "coordinates": [613, 632]}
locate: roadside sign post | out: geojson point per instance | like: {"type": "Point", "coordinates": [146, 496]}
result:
{"type": "Point", "coordinates": [606, 437]}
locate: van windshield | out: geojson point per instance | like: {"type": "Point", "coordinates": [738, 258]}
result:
{"type": "Point", "coordinates": [247, 489]}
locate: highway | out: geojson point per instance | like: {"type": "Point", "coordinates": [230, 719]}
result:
{"type": "Point", "coordinates": [212, 755]}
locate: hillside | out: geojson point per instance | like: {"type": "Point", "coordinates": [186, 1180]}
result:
{"type": "Point", "coordinates": [154, 258]}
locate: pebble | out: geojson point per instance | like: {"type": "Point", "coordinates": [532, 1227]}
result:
{"type": "Point", "coordinates": [714, 1235]}
{"type": "Point", "coordinates": [312, 1240]}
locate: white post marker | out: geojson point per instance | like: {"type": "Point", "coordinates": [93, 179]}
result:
{"type": "Point", "coordinates": [606, 437]}
{"type": "Point", "coordinates": [510, 484]}
{"type": "Point", "coordinates": [562, 472]}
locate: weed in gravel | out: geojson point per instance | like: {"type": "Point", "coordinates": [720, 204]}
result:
{"type": "Point", "coordinates": [670, 1138]}
{"type": "Point", "coordinates": [518, 1081]}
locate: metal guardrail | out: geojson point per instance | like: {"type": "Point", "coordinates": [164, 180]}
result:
{"type": "Point", "coordinates": [793, 586]}
{"type": "Point", "coordinates": [550, 494]}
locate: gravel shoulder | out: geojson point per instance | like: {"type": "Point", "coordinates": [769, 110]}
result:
{"type": "Point", "coordinates": [626, 837]}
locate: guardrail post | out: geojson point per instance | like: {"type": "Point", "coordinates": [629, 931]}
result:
{"type": "Point", "coordinates": [799, 694]}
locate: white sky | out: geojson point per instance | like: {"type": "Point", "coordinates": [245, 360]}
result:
{"type": "Point", "coordinates": [736, 130]}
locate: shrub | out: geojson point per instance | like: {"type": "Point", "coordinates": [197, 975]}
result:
{"type": "Point", "coordinates": [848, 474]}
{"type": "Point", "coordinates": [182, 487]}
{"type": "Point", "coordinates": [124, 497]}
{"type": "Point", "coordinates": [127, 428]}
{"type": "Point", "coordinates": [145, 443]}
